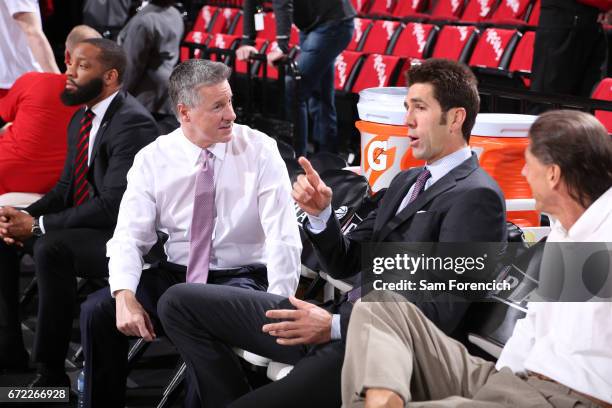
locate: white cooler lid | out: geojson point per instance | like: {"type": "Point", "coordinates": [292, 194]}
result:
{"type": "Point", "coordinates": [382, 105]}
{"type": "Point", "coordinates": [502, 125]}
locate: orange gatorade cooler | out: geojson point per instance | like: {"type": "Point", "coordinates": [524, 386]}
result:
{"type": "Point", "coordinates": [385, 146]}
{"type": "Point", "coordinates": [500, 141]}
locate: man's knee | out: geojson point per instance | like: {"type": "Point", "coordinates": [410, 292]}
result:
{"type": "Point", "coordinates": [98, 309]}
{"type": "Point", "coordinates": [49, 246]}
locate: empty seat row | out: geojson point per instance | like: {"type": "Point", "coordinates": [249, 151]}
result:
{"type": "Point", "coordinates": [495, 12]}
{"type": "Point", "coordinates": [494, 50]}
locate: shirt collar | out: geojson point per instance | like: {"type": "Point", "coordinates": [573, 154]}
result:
{"type": "Point", "coordinates": [100, 108]}
{"type": "Point", "coordinates": [588, 222]}
{"type": "Point", "coordinates": [193, 151]}
{"type": "Point", "coordinates": [441, 167]}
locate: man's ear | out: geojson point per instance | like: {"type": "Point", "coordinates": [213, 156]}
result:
{"type": "Point", "coordinates": [67, 57]}
{"type": "Point", "coordinates": [183, 113]}
{"type": "Point", "coordinates": [111, 77]}
{"type": "Point", "coordinates": [553, 176]}
{"type": "Point", "coordinates": [456, 118]}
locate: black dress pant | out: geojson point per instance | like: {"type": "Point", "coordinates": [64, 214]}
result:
{"type": "Point", "coordinates": [59, 257]}
{"type": "Point", "coordinates": [106, 348]}
{"type": "Point", "coordinates": [205, 322]}
{"type": "Point", "coordinates": [570, 49]}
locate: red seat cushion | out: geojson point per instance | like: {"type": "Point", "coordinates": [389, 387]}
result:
{"type": "Point", "coordinates": [491, 47]}
{"type": "Point", "coordinates": [379, 36]}
{"type": "Point", "coordinates": [412, 40]}
{"type": "Point", "coordinates": [193, 37]}
{"type": "Point", "coordinates": [452, 40]}
{"type": "Point", "coordinates": [344, 65]}
{"type": "Point", "coordinates": [376, 71]}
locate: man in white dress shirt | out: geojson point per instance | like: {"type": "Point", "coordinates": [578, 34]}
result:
{"type": "Point", "coordinates": [246, 236]}
{"type": "Point", "coordinates": [559, 355]}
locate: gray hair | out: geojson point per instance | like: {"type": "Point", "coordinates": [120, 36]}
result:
{"type": "Point", "coordinates": [189, 76]}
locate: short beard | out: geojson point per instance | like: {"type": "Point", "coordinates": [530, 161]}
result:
{"type": "Point", "coordinates": [83, 93]}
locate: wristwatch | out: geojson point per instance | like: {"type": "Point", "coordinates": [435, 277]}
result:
{"type": "Point", "coordinates": [36, 230]}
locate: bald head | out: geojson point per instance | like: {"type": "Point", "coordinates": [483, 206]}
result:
{"type": "Point", "coordinates": [77, 34]}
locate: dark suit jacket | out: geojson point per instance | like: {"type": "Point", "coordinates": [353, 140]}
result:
{"type": "Point", "coordinates": [466, 205]}
{"type": "Point", "coordinates": [125, 129]}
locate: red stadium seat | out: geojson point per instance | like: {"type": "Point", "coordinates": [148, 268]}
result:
{"type": "Point", "coordinates": [222, 42]}
{"type": "Point", "coordinates": [380, 37]}
{"type": "Point", "coordinates": [377, 70]}
{"type": "Point", "coordinates": [447, 10]}
{"type": "Point", "coordinates": [523, 56]}
{"type": "Point", "coordinates": [414, 41]}
{"type": "Point", "coordinates": [455, 42]}
{"type": "Point", "coordinates": [224, 21]}
{"type": "Point", "coordinates": [361, 6]}
{"type": "Point", "coordinates": [604, 91]}
{"type": "Point", "coordinates": [344, 66]}
{"type": "Point", "coordinates": [362, 28]}
{"type": "Point", "coordinates": [494, 48]}
{"type": "Point", "coordinates": [478, 10]}
{"type": "Point", "coordinates": [382, 7]}
{"type": "Point", "coordinates": [237, 29]}
{"type": "Point", "coordinates": [410, 8]}
{"type": "Point", "coordinates": [206, 15]}
{"type": "Point", "coordinates": [534, 16]}
{"type": "Point", "coordinates": [511, 12]}
{"type": "Point", "coordinates": [194, 37]}
{"type": "Point", "coordinates": [269, 31]}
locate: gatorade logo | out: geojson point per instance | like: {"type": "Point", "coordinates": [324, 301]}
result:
{"type": "Point", "coordinates": [378, 158]}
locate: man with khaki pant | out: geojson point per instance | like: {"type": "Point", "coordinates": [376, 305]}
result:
{"type": "Point", "coordinates": [559, 355]}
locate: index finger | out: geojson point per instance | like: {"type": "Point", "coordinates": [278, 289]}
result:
{"type": "Point", "coordinates": [282, 314]}
{"type": "Point", "coordinates": [311, 173]}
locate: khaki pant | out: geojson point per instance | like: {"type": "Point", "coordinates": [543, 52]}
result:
{"type": "Point", "coordinates": [392, 345]}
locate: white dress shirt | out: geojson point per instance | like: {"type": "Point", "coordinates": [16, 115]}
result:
{"type": "Point", "coordinates": [569, 342]}
{"type": "Point", "coordinates": [16, 57]}
{"type": "Point", "coordinates": [255, 218]}
{"type": "Point", "coordinates": [99, 109]}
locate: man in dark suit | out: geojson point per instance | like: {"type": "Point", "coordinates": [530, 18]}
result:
{"type": "Point", "coordinates": [67, 229]}
{"type": "Point", "coordinates": [451, 199]}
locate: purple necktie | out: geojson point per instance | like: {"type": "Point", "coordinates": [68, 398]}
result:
{"type": "Point", "coordinates": [202, 221]}
{"type": "Point", "coordinates": [419, 184]}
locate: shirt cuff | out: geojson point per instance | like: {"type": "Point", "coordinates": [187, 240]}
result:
{"type": "Point", "coordinates": [336, 333]}
{"type": "Point", "coordinates": [318, 223]}
{"type": "Point", "coordinates": [41, 224]}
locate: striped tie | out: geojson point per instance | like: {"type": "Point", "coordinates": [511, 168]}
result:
{"type": "Point", "coordinates": [419, 185]}
{"type": "Point", "coordinates": [81, 188]}
{"type": "Point", "coordinates": [202, 221]}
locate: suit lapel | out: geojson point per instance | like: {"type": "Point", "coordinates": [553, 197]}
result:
{"type": "Point", "coordinates": [393, 198]}
{"type": "Point", "coordinates": [445, 183]}
{"type": "Point", "coordinates": [112, 108]}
